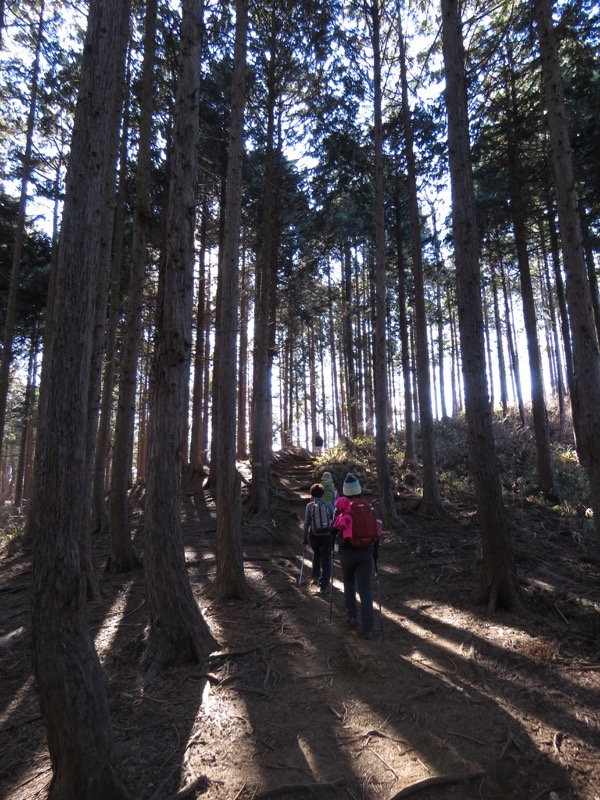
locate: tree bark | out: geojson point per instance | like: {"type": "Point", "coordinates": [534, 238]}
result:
{"type": "Point", "coordinates": [230, 581]}
{"type": "Point", "coordinates": [410, 453]}
{"type": "Point", "coordinates": [46, 338]}
{"type": "Point", "coordinates": [517, 208]}
{"type": "Point", "coordinates": [122, 556]}
{"type": "Point", "coordinates": [500, 345]}
{"type": "Point", "coordinates": [347, 313]}
{"type": "Point", "coordinates": [512, 351]}
{"type": "Point", "coordinates": [198, 455]}
{"type": "Point", "coordinates": [11, 302]}
{"type": "Point", "coordinates": [100, 516]}
{"type": "Point", "coordinates": [498, 586]}
{"type": "Point", "coordinates": [384, 483]}
{"type": "Point", "coordinates": [585, 397]}
{"type": "Point", "coordinates": [260, 420]}
{"type": "Point", "coordinates": [439, 313]}
{"type": "Point", "coordinates": [73, 697]}
{"type": "Point", "coordinates": [99, 342]}
{"type": "Point", "coordinates": [561, 298]}
{"type": "Point", "coordinates": [590, 266]}
{"type": "Point", "coordinates": [431, 502]}
{"type": "Point", "coordinates": [242, 415]}
{"type": "Point", "coordinates": [27, 430]}
{"type": "Point", "coordinates": [178, 631]}
{"type": "Point", "coordinates": [560, 384]}
{"type": "Point", "coordinates": [488, 349]}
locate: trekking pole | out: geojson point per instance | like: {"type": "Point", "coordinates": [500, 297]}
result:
{"type": "Point", "coordinates": [379, 599]}
{"type": "Point", "coordinates": [299, 581]}
{"type": "Point", "coordinates": [331, 584]}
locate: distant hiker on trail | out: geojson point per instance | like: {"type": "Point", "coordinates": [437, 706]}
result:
{"type": "Point", "coordinates": [358, 546]}
{"type": "Point", "coordinates": [319, 443]}
{"type": "Point", "coordinates": [318, 518]}
{"type": "Point", "coordinates": [329, 491]}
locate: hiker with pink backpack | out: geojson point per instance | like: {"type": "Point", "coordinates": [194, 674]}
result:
{"type": "Point", "coordinates": [318, 519]}
{"type": "Point", "coordinates": [359, 536]}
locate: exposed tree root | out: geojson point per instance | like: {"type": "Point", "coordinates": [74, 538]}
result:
{"type": "Point", "coordinates": [290, 788]}
{"type": "Point", "coordinates": [199, 783]}
{"type": "Point", "coordinates": [438, 780]}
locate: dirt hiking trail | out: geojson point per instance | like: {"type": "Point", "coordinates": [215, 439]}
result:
{"type": "Point", "coordinates": [448, 703]}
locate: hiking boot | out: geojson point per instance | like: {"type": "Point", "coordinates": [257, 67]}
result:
{"type": "Point", "coordinates": [352, 623]}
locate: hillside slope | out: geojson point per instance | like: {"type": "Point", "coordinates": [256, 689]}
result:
{"type": "Point", "coordinates": [446, 702]}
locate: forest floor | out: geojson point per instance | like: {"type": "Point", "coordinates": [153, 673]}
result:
{"type": "Point", "coordinates": [447, 701]}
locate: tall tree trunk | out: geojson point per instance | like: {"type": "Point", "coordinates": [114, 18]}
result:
{"type": "Point", "coordinates": [242, 415]}
{"type": "Point", "coordinates": [99, 517]}
{"type": "Point", "coordinates": [143, 403]}
{"type": "Point", "coordinates": [11, 302]}
{"type": "Point", "coordinates": [286, 422]}
{"type": "Point", "coordinates": [510, 340]}
{"type": "Point", "coordinates": [498, 585]}
{"type": "Point", "coordinates": [261, 429]}
{"type": "Point", "coordinates": [585, 396]}
{"type": "Point", "coordinates": [98, 349]}
{"type": "Point", "coordinates": [312, 387]}
{"type": "Point", "coordinates": [28, 481]}
{"type": "Point", "coordinates": [590, 266]}
{"type": "Point", "coordinates": [204, 429]}
{"type": "Point", "coordinates": [197, 454]}
{"type": "Point", "coordinates": [517, 207]}
{"type": "Point", "coordinates": [384, 481]}
{"type": "Point", "coordinates": [335, 399]}
{"type": "Point", "coordinates": [456, 384]}
{"type": "Point", "coordinates": [230, 581]}
{"type": "Point", "coordinates": [27, 419]}
{"type": "Point", "coordinates": [349, 345]}
{"type": "Point", "coordinates": [410, 455]}
{"type": "Point", "coordinates": [561, 298]}
{"type": "Point", "coordinates": [361, 367]}
{"type": "Point", "coordinates": [178, 631]}
{"type": "Point", "coordinates": [216, 375]}
{"type": "Point", "coordinates": [431, 502]}
{"type": "Point", "coordinates": [46, 338]}
{"type": "Point", "coordinates": [439, 312]}
{"type": "Point", "coordinates": [324, 423]}
{"type": "Point", "coordinates": [368, 367]}
{"type": "Point", "coordinates": [488, 349]}
{"type": "Point", "coordinates": [431, 357]}
{"type": "Point", "coordinates": [122, 556]}
{"type": "Point", "coordinates": [73, 697]}
{"type": "Point", "coordinates": [560, 384]}
{"type": "Point", "coordinates": [500, 344]}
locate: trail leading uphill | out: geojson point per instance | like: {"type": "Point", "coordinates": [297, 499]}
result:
{"type": "Point", "coordinates": [452, 704]}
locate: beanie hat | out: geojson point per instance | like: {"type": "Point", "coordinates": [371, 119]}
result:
{"type": "Point", "coordinates": [351, 486]}
{"type": "Point", "coordinates": [326, 477]}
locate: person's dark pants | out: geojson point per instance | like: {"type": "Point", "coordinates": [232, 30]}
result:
{"type": "Point", "coordinates": [321, 562]}
{"type": "Point", "coordinates": [357, 565]}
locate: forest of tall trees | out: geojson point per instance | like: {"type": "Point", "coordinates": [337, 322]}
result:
{"type": "Point", "coordinates": [228, 228]}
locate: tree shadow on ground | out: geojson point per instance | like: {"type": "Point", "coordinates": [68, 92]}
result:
{"type": "Point", "coordinates": [296, 705]}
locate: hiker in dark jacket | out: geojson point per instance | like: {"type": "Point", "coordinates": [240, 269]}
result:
{"type": "Point", "coordinates": [356, 556]}
{"type": "Point", "coordinates": [320, 538]}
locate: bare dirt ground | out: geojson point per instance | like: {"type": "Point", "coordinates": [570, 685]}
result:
{"type": "Point", "coordinates": [446, 702]}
